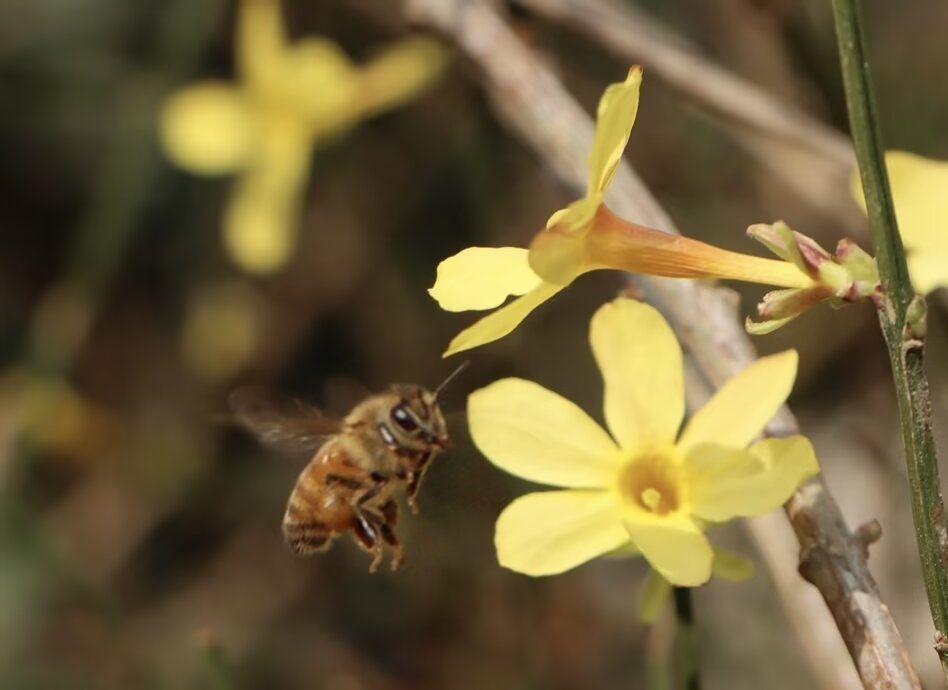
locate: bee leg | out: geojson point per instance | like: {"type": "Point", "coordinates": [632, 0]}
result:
{"type": "Point", "coordinates": [368, 536]}
{"type": "Point", "coordinates": [414, 482]}
{"type": "Point", "coordinates": [366, 494]}
{"type": "Point", "coordinates": [390, 514]}
{"type": "Point", "coordinates": [398, 557]}
{"type": "Point", "coordinates": [348, 482]}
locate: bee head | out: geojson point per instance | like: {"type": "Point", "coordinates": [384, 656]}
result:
{"type": "Point", "coordinates": [417, 417]}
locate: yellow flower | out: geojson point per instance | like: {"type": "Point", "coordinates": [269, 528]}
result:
{"type": "Point", "coordinates": [646, 485]}
{"type": "Point", "coordinates": [47, 414]}
{"type": "Point", "coordinates": [290, 98]}
{"type": "Point", "coordinates": [587, 236]}
{"type": "Point", "coordinates": [221, 330]}
{"type": "Point", "coordinates": [920, 192]}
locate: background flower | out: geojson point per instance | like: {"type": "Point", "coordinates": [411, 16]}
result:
{"type": "Point", "coordinates": [920, 193]}
{"type": "Point", "coordinates": [291, 98]}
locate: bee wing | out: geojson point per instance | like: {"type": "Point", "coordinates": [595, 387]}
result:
{"type": "Point", "coordinates": [282, 423]}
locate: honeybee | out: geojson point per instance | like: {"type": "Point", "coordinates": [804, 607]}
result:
{"type": "Point", "coordinates": [359, 466]}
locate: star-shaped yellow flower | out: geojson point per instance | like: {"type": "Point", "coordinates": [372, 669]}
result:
{"type": "Point", "coordinates": [646, 485]}
{"type": "Point", "coordinates": [291, 97]}
{"type": "Point", "coordinates": [920, 193]}
{"type": "Point", "coordinates": [586, 236]}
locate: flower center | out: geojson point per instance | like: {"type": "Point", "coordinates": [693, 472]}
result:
{"type": "Point", "coordinates": [652, 482]}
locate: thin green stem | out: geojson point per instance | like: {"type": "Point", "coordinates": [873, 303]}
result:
{"type": "Point", "coordinates": [902, 317]}
{"type": "Point", "coordinates": [685, 655]}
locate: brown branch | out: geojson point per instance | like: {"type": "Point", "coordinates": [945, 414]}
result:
{"type": "Point", "coordinates": [536, 106]}
{"type": "Point", "coordinates": [801, 604]}
{"type": "Point", "coordinates": [785, 139]}
{"type": "Point", "coordinates": [632, 34]}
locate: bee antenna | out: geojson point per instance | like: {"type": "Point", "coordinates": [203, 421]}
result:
{"type": "Point", "coordinates": [451, 377]}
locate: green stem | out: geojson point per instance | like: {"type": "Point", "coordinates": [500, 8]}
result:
{"type": "Point", "coordinates": [901, 315]}
{"type": "Point", "coordinates": [686, 642]}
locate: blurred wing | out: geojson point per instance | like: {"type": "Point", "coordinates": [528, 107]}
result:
{"type": "Point", "coordinates": [282, 423]}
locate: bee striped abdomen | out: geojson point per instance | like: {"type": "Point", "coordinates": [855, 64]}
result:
{"type": "Point", "coordinates": [305, 527]}
{"type": "Point", "coordinates": [306, 538]}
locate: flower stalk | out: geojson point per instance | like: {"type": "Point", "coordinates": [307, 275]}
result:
{"type": "Point", "coordinates": [901, 318]}
{"type": "Point", "coordinates": [686, 673]}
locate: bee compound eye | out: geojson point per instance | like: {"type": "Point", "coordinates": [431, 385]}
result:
{"type": "Point", "coordinates": [403, 418]}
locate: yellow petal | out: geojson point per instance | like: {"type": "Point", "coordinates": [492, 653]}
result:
{"type": "Point", "coordinates": [557, 256]}
{"type": "Point", "coordinates": [558, 253]}
{"type": "Point", "coordinates": [738, 412]}
{"type": "Point", "coordinates": [482, 278]}
{"type": "Point", "coordinates": [725, 483]}
{"type": "Point", "coordinates": [625, 551]}
{"type": "Point", "coordinates": [261, 42]}
{"type": "Point", "coordinates": [401, 72]}
{"type": "Point", "coordinates": [731, 566]}
{"type": "Point", "coordinates": [928, 268]}
{"type": "Point", "coordinates": [640, 361]}
{"type": "Point", "coordinates": [578, 214]}
{"type": "Point", "coordinates": [207, 128]}
{"type": "Point", "coordinates": [261, 220]}
{"type": "Point", "coordinates": [615, 117]}
{"type": "Point", "coordinates": [319, 77]}
{"type": "Point", "coordinates": [531, 432]}
{"type": "Point", "coordinates": [921, 205]}
{"type": "Point", "coordinates": [221, 330]}
{"type": "Point", "coordinates": [768, 326]}
{"type": "Point", "coordinates": [259, 234]}
{"type": "Point", "coordinates": [673, 545]}
{"type": "Point", "coordinates": [497, 324]}
{"type": "Point", "coordinates": [550, 532]}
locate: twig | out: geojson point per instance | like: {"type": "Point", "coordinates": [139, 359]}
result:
{"type": "Point", "coordinates": [780, 135]}
{"type": "Point", "coordinates": [902, 317]}
{"type": "Point", "coordinates": [537, 107]}
{"type": "Point", "coordinates": [800, 602]}
{"type": "Point", "coordinates": [634, 35]}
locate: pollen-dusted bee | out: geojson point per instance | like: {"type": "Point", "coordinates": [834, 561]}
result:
{"type": "Point", "coordinates": [359, 466]}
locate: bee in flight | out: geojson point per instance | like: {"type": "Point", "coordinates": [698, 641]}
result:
{"type": "Point", "coordinates": [359, 464]}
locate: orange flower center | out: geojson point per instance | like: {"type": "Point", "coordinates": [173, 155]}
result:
{"type": "Point", "coordinates": [652, 482]}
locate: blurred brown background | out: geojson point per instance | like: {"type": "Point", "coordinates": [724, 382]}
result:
{"type": "Point", "coordinates": [139, 538]}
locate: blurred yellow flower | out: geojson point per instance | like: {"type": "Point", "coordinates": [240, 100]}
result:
{"type": "Point", "coordinates": [49, 415]}
{"type": "Point", "coordinates": [646, 486]}
{"type": "Point", "coordinates": [221, 330]}
{"type": "Point", "coordinates": [290, 98]}
{"type": "Point", "coordinates": [586, 236]}
{"type": "Point", "coordinates": [920, 192]}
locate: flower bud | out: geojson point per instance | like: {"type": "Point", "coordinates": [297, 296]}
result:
{"type": "Point", "coordinates": [848, 276]}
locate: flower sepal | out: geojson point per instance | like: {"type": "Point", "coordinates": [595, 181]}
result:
{"type": "Point", "coordinates": [848, 276]}
{"type": "Point", "coordinates": [727, 565]}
